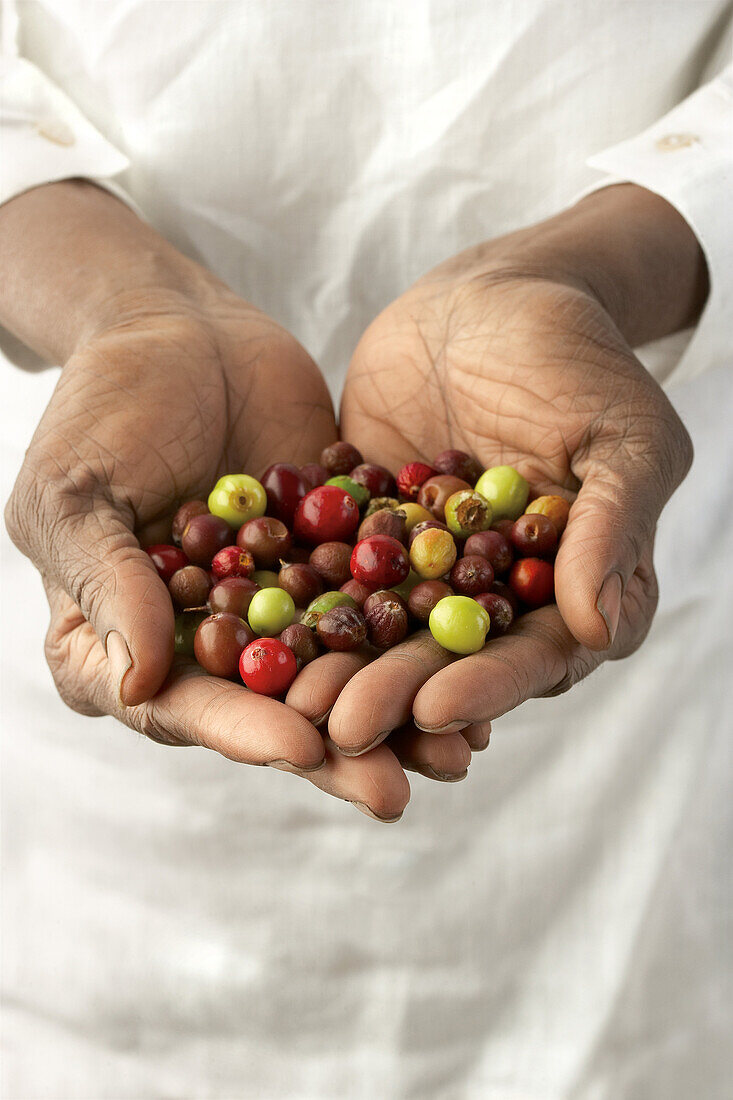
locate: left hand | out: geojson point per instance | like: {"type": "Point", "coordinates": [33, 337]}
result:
{"type": "Point", "coordinates": [516, 352]}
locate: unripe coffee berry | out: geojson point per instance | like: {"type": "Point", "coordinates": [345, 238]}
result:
{"type": "Point", "coordinates": [270, 611]}
{"type": "Point", "coordinates": [433, 553]}
{"type": "Point", "coordinates": [467, 512]}
{"type": "Point", "coordinates": [237, 498]}
{"type": "Point", "coordinates": [459, 624]}
{"type": "Point", "coordinates": [436, 490]}
{"type": "Point", "coordinates": [506, 491]}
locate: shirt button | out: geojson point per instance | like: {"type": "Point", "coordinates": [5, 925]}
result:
{"type": "Point", "coordinates": [670, 142]}
{"type": "Point", "coordinates": [53, 129]}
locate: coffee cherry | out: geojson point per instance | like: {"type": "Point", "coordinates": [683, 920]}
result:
{"type": "Point", "coordinates": [357, 491]}
{"type": "Point", "coordinates": [267, 539]}
{"type": "Point", "coordinates": [424, 525]}
{"type": "Point", "coordinates": [503, 527]}
{"type": "Point", "coordinates": [555, 508]}
{"type": "Point", "coordinates": [237, 498]}
{"type": "Point", "coordinates": [270, 611]}
{"type": "Point", "coordinates": [435, 492]}
{"type": "Point", "coordinates": [425, 596]}
{"type": "Point", "coordinates": [186, 512]}
{"type": "Point", "coordinates": [459, 624]}
{"type": "Point", "coordinates": [533, 581]}
{"type": "Point", "coordinates": [471, 575]}
{"type": "Point", "coordinates": [326, 514]}
{"type": "Point", "coordinates": [314, 475]}
{"type": "Point", "coordinates": [266, 578]}
{"type": "Point", "coordinates": [492, 546]}
{"type": "Point", "coordinates": [376, 479]}
{"type": "Point", "coordinates": [357, 591]}
{"type": "Point", "coordinates": [342, 629]}
{"type": "Point", "coordinates": [285, 487]}
{"type": "Point", "coordinates": [203, 537]}
{"type": "Point", "coordinates": [325, 603]}
{"type": "Point", "coordinates": [415, 514]}
{"type": "Point", "coordinates": [378, 504]}
{"type": "Point", "coordinates": [386, 619]}
{"type": "Point", "coordinates": [379, 561]}
{"type": "Point", "coordinates": [340, 458]}
{"type": "Point", "coordinates": [301, 582]}
{"type": "Point", "coordinates": [384, 522]}
{"type": "Point", "coordinates": [433, 553]}
{"type": "Point", "coordinates": [219, 642]}
{"type": "Point", "coordinates": [534, 535]}
{"type": "Point", "coordinates": [411, 477]}
{"type": "Point", "coordinates": [233, 595]}
{"type": "Point", "coordinates": [500, 612]}
{"type": "Point", "coordinates": [186, 625]}
{"type": "Point", "coordinates": [268, 666]}
{"type": "Point", "coordinates": [331, 561]}
{"type": "Point", "coordinates": [383, 595]}
{"type": "Point", "coordinates": [167, 560]}
{"type": "Point", "coordinates": [189, 587]}
{"type": "Point", "coordinates": [302, 642]}
{"type": "Point", "coordinates": [467, 512]}
{"type": "Point", "coordinates": [506, 491]}
{"type": "Point", "coordinates": [458, 464]}
{"type": "Point", "coordinates": [231, 561]}
{"type": "Point", "coordinates": [501, 589]}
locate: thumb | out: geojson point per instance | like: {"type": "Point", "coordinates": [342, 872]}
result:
{"type": "Point", "coordinates": [84, 545]}
{"type": "Point", "coordinates": [611, 524]}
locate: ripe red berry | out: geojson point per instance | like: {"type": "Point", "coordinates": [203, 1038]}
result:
{"type": "Point", "coordinates": [411, 477]}
{"type": "Point", "coordinates": [340, 458]}
{"type": "Point", "coordinates": [285, 487]}
{"type": "Point", "coordinates": [167, 559]}
{"type": "Point", "coordinates": [231, 561]}
{"type": "Point", "coordinates": [380, 561]}
{"type": "Point", "coordinates": [458, 464]}
{"type": "Point", "coordinates": [533, 581]}
{"type": "Point", "coordinates": [471, 575]}
{"type": "Point", "coordinates": [326, 514]}
{"type": "Point", "coordinates": [268, 666]}
{"type": "Point", "coordinates": [534, 535]}
{"type": "Point", "coordinates": [377, 479]}
{"type": "Point", "coordinates": [500, 612]}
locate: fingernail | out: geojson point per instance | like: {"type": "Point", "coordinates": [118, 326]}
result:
{"type": "Point", "coordinates": [451, 727]}
{"type": "Point", "coordinates": [365, 748]}
{"type": "Point", "coordinates": [120, 661]}
{"type": "Point", "coordinates": [609, 603]}
{"type": "Point", "coordinates": [324, 718]}
{"type": "Point", "coordinates": [364, 809]}
{"type": "Point", "coordinates": [289, 766]}
{"type": "Point", "coordinates": [442, 777]}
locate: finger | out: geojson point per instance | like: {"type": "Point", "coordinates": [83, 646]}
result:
{"type": "Point", "coordinates": [477, 736]}
{"type": "Point", "coordinates": [84, 545]}
{"type": "Point", "coordinates": [626, 483]}
{"type": "Point", "coordinates": [538, 657]}
{"type": "Point", "coordinates": [444, 757]}
{"type": "Point", "coordinates": [378, 699]}
{"type": "Point", "coordinates": [197, 709]}
{"type": "Point", "coordinates": [317, 687]}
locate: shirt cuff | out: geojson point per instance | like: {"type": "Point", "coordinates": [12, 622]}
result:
{"type": "Point", "coordinates": [687, 158]}
{"type": "Point", "coordinates": [45, 137]}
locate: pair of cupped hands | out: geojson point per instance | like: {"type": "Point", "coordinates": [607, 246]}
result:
{"type": "Point", "coordinates": [513, 351]}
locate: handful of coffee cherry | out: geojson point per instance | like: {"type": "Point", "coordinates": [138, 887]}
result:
{"type": "Point", "coordinates": [340, 554]}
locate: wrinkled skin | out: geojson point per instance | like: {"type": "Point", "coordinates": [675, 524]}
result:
{"type": "Point", "coordinates": [526, 370]}
{"type": "Point", "coordinates": [148, 413]}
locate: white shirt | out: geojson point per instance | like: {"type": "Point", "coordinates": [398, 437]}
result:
{"type": "Point", "coordinates": [555, 926]}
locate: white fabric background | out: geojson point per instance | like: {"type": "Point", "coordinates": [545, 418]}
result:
{"type": "Point", "coordinates": [554, 927]}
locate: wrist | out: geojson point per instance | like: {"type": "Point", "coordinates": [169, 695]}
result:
{"type": "Point", "coordinates": [77, 260]}
{"type": "Point", "coordinates": [631, 251]}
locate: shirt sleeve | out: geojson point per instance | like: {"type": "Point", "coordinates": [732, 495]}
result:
{"type": "Point", "coordinates": [687, 158]}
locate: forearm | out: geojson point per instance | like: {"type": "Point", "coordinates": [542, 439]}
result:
{"type": "Point", "coordinates": [631, 249]}
{"type": "Point", "coordinates": [72, 255]}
